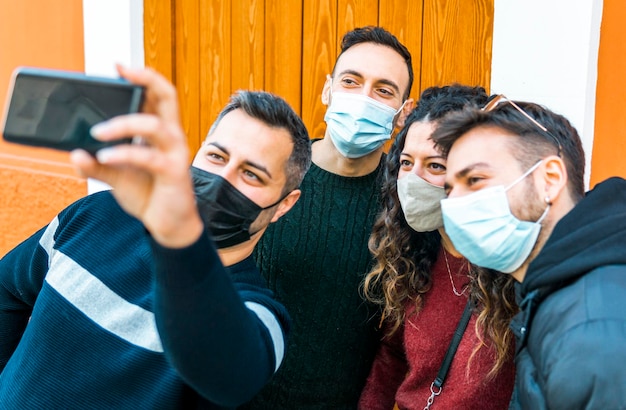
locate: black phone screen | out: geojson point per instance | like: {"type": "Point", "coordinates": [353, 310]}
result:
{"type": "Point", "coordinates": [59, 112]}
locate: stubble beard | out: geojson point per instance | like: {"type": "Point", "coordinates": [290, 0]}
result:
{"type": "Point", "coordinates": [530, 209]}
{"type": "Point", "coordinates": [263, 220]}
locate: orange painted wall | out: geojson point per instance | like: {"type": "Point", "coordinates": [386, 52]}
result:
{"type": "Point", "coordinates": [609, 145]}
{"type": "Point", "coordinates": [35, 183]}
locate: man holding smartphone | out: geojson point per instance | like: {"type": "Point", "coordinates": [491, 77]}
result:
{"type": "Point", "coordinates": [123, 300]}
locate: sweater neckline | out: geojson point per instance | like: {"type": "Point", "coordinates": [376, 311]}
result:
{"type": "Point", "coordinates": [327, 178]}
{"type": "Point", "coordinates": [242, 266]}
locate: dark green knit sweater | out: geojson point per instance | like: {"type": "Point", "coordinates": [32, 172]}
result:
{"type": "Point", "coordinates": [314, 259]}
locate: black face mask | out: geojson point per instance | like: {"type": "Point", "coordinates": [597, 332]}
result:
{"type": "Point", "coordinates": [226, 212]}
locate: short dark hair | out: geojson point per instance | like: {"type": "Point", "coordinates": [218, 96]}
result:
{"type": "Point", "coordinates": [377, 35]}
{"type": "Point", "coordinates": [435, 102]}
{"type": "Point", "coordinates": [531, 143]}
{"type": "Point", "coordinates": [275, 112]}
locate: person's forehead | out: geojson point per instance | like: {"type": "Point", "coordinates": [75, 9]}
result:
{"type": "Point", "coordinates": [252, 139]}
{"type": "Point", "coordinates": [483, 147]}
{"type": "Point", "coordinates": [419, 134]}
{"type": "Point", "coordinates": [376, 61]}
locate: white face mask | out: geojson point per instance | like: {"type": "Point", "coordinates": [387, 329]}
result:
{"type": "Point", "coordinates": [483, 229]}
{"type": "Point", "coordinates": [420, 202]}
{"type": "Point", "coordinates": [357, 124]}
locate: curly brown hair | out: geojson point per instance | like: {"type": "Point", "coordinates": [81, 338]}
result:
{"type": "Point", "coordinates": [404, 257]}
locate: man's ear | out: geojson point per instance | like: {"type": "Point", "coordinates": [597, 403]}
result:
{"type": "Point", "coordinates": [555, 179]}
{"type": "Point", "coordinates": [406, 110]}
{"type": "Point", "coordinates": [326, 90]}
{"type": "Point", "coordinates": [286, 204]}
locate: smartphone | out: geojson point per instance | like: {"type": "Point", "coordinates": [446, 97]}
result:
{"type": "Point", "coordinates": [56, 109]}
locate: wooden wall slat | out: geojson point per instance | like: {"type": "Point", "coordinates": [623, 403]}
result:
{"type": "Point", "coordinates": [215, 67]}
{"type": "Point", "coordinates": [355, 13]}
{"type": "Point", "coordinates": [404, 20]}
{"type": "Point", "coordinates": [283, 50]}
{"type": "Point", "coordinates": [319, 52]}
{"type": "Point", "coordinates": [158, 36]}
{"type": "Point", "coordinates": [457, 42]}
{"type": "Point", "coordinates": [187, 60]}
{"type": "Point", "coordinates": [248, 44]}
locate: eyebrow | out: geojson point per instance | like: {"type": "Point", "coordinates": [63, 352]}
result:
{"type": "Point", "coordinates": [382, 80]}
{"type": "Point", "coordinates": [247, 162]}
{"type": "Point", "coordinates": [428, 157]}
{"type": "Point", "coordinates": [463, 173]}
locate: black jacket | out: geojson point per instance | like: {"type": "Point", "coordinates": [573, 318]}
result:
{"type": "Point", "coordinates": [571, 332]}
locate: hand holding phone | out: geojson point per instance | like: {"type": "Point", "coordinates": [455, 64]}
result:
{"type": "Point", "coordinates": [56, 109]}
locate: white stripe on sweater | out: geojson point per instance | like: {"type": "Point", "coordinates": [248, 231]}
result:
{"type": "Point", "coordinates": [115, 314]}
{"type": "Point", "coordinates": [110, 311]}
{"type": "Point", "coordinates": [95, 300]}
{"type": "Point", "coordinates": [271, 323]}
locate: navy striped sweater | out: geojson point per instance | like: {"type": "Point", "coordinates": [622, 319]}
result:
{"type": "Point", "coordinates": [95, 314]}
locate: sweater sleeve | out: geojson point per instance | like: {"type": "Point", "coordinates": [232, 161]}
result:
{"type": "Point", "coordinates": [387, 373]}
{"type": "Point", "coordinates": [22, 272]}
{"type": "Point", "coordinates": [224, 335]}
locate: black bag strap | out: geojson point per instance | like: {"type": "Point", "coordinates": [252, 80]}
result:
{"type": "Point", "coordinates": [435, 387]}
{"type": "Point", "coordinates": [454, 344]}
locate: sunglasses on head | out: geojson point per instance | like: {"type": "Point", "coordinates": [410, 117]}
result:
{"type": "Point", "coordinates": [491, 105]}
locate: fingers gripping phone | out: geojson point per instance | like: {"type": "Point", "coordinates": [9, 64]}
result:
{"type": "Point", "coordinates": [56, 109]}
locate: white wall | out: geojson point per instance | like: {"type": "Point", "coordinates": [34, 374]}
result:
{"type": "Point", "coordinates": [546, 52]}
{"type": "Point", "coordinates": [113, 34]}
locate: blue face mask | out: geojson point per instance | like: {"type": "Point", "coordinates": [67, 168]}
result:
{"type": "Point", "coordinates": [358, 125]}
{"type": "Point", "coordinates": [483, 229]}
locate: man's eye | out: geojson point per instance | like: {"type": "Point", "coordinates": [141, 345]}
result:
{"type": "Point", "coordinates": [251, 175]}
{"type": "Point", "coordinates": [473, 180]}
{"type": "Point", "coordinates": [214, 156]}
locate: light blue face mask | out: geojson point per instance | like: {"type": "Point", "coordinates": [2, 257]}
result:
{"type": "Point", "coordinates": [358, 125]}
{"type": "Point", "coordinates": [483, 229]}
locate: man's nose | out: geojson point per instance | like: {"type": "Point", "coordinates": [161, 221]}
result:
{"type": "Point", "coordinates": [451, 192]}
{"type": "Point", "coordinates": [229, 173]}
{"type": "Point", "coordinates": [368, 91]}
